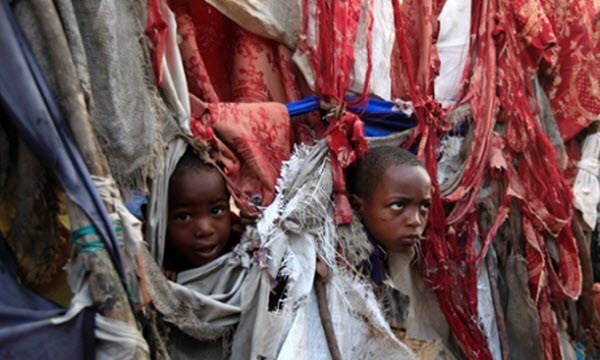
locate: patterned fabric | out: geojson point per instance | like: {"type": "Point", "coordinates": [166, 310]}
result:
{"type": "Point", "coordinates": [521, 158]}
{"type": "Point", "coordinates": [573, 65]}
{"type": "Point", "coordinates": [253, 139]}
{"type": "Point", "coordinates": [236, 80]}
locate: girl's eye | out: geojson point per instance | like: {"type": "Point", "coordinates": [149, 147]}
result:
{"type": "Point", "coordinates": [183, 217]}
{"type": "Point", "coordinates": [217, 210]}
{"type": "Point", "coordinates": [397, 206]}
{"type": "Point", "coordinates": [425, 206]}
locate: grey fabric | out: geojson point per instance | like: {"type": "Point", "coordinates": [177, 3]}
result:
{"type": "Point", "coordinates": [111, 54]}
{"type": "Point", "coordinates": [522, 321]}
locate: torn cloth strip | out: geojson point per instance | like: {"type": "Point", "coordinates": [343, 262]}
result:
{"type": "Point", "coordinates": [331, 55]}
{"type": "Point", "coordinates": [26, 327]}
{"type": "Point", "coordinates": [29, 104]}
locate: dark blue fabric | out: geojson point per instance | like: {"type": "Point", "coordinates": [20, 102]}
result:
{"type": "Point", "coordinates": [379, 116]}
{"type": "Point", "coordinates": [135, 205]}
{"type": "Point", "coordinates": [30, 106]}
{"type": "Point", "coordinates": [375, 266]}
{"type": "Point", "coordinates": [25, 331]}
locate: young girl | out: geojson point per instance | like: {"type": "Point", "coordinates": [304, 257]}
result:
{"type": "Point", "coordinates": [199, 227]}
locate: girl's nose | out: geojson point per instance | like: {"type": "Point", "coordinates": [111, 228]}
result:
{"type": "Point", "coordinates": [203, 228]}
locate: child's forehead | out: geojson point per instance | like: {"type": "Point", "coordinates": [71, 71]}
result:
{"type": "Point", "coordinates": [401, 175]}
{"type": "Point", "coordinates": [198, 173]}
{"type": "Point", "coordinates": [197, 179]}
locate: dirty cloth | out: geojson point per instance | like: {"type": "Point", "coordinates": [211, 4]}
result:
{"type": "Point", "coordinates": [175, 90]}
{"type": "Point", "coordinates": [26, 321]}
{"type": "Point", "coordinates": [112, 56]}
{"type": "Point", "coordinates": [30, 105]}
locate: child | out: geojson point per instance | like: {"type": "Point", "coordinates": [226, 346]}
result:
{"type": "Point", "coordinates": [199, 225]}
{"type": "Point", "coordinates": [391, 195]}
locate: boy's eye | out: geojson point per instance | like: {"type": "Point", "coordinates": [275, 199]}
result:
{"type": "Point", "coordinates": [183, 217]}
{"type": "Point", "coordinates": [397, 206]}
{"type": "Point", "coordinates": [217, 210]}
{"type": "Point", "coordinates": [425, 206]}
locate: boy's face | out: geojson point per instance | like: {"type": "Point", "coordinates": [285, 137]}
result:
{"type": "Point", "coordinates": [396, 213]}
{"type": "Point", "coordinates": [199, 221]}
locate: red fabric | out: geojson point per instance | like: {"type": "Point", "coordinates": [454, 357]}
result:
{"type": "Point", "coordinates": [347, 143]}
{"type": "Point", "coordinates": [236, 81]}
{"type": "Point", "coordinates": [206, 48]}
{"type": "Point", "coordinates": [156, 30]}
{"type": "Point", "coordinates": [253, 139]}
{"type": "Point", "coordinates": [332, 58]}
{"type": "Point", "coordinates": [512, 42]}
{"type": "Point", "coordinates": [445, 261]}
{"type": "Point", "coordinates": [572, 73]}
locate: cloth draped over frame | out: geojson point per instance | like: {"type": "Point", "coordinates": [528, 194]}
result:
{"type": "Point", "coordinates": [495, 82]}
{"type": "Point", "coordinates": [263, 73]}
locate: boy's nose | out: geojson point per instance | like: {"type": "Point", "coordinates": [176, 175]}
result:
{"type": "Point", "coordinates": [414, 218]}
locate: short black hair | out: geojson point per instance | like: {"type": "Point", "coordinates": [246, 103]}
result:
{"type": "Point", "coordinates": [364, 177]}
{"type": "Point", "coordinates": [190, 160]}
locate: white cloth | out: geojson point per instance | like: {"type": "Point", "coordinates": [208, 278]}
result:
{"type": "Point", "coordinates": [453, 48]}
{"type": "Point", "coordinates": [297, 228]}
{"type": "Point", "coordinates": [586, 187]}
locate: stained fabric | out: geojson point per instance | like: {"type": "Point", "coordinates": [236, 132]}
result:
{"type": "Point", "coordinates": [112, 57]}
{"type": "Point", "coordinates": [29, 104]}
{"type": "Point", "coordinates": [26, 326]}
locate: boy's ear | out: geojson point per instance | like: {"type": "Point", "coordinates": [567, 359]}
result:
{"type": "Point", "coordinates": [357, 203]}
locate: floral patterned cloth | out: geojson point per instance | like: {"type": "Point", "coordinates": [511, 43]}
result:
{"type": "Point", "coordinates": [237, 82]}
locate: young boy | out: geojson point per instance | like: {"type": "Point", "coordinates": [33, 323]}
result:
{"type": "Point", "coordinates": [391, 194]}
{"type": "Point", "coordinates": [199, 227]}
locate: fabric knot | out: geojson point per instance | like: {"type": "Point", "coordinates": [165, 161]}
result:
{"type": "Point", "coordinates": [434, 115]}
{"type": "Point", "coordinates": [347, 143]}
{"type": "Point", "coordinates": [202, 132]}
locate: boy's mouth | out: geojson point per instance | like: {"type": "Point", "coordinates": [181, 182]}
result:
{"type": "Point", "coordinates": [410, 240]}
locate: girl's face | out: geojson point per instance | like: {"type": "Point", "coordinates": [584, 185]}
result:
{"type": "Point", "coordinates": [199, 221]}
